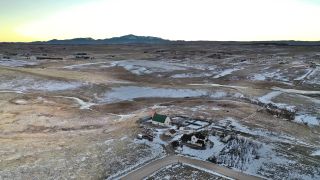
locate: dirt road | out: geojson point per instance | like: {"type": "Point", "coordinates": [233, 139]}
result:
{"type": "Point", "coordinates": [152, 167]}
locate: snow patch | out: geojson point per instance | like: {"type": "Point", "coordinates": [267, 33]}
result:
{"type": "Point", "coordinates": [219, 85]}
{"type": "Point", "coordinates": [16, 63]}
{"type": "Point", "coordinates": [80, 66]}
{"type": "Point", "coordinates": [259, 132]}
{"type": "Point", "coordinates": [266, 99]}
{"type": "Point", "coordinates": [309, 71]}
{"type": "Point", "coordinates": [219, 94]}
{"type": "Point", "coordinates": [258, 77]}
{"type": "Point", "coordinates": [125, 116]}
{"type": "Point", "coordinates": [83, 104]}
{"type": "Point", "coordinates": [215, 109]}
{"type": "Point", "coordinates": [140, 67]}
{"type": "Point", "coordinates": [226, 72]}
{"type": "Point", "coordinates": [276, 75]}
{"type": "Point", "coordinates": [27, 84]}
{"type": "Point", "coordinates": [191, 75]}
{"type": "Point", "coordinates": [316, 153]}
{"type": "Point", "coordinates": [296, 91]}
{"type": "Point", "coordinates": [307, 119]}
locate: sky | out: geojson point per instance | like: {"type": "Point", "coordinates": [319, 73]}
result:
{"type": "Point", "coordinates": [217, 20]}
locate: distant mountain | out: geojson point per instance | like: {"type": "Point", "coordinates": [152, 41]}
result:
{"type": "Point", "coordinates": [127, 39]}
{"type": "Point", "coordinates": [133, 39]}
{"type": "Point", "coordinates": [69, 41]}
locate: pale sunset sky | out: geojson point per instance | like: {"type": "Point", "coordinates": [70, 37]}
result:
{"type": "Point", "coordinates": [222, 20]}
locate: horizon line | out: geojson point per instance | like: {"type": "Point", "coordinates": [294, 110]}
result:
{"type": "Point", "coordinates": [162, 39]}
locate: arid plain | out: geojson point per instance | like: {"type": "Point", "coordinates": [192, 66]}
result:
{"type": "Point", "coordinates": [73, 111]}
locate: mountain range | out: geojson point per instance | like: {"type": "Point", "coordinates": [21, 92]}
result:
{"type": "Point", "coordinates": [127, 39]}
{"type": "Point", "coordinates": [133, 39]}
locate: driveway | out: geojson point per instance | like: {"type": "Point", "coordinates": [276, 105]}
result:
{"type": "Point", "coordinates": [154, 166]}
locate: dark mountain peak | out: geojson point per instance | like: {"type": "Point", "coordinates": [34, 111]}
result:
{"type": "Point", "coordinates": [130, 36]}
{"type": "Point", "coordinates": [133, 39]}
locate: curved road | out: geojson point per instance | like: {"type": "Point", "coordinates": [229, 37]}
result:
{"type": "Point", "coordinates": [154, 166]}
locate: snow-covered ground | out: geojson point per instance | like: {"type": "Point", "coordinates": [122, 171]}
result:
{"type": "Point", "coordinates": [258, 77]}
{"type": "Point", "coordinates": [259, 132]}
{"type": "Point", "coordinates": [307, 73]}
{"type": "Point", "coordinates": [267, 99]}
{"type": "Point", "coordinates": [307, 119]}
{"type": "Point", "coordinates": [303, 116]}
{"type": "Point", "coordinates": [196, 124]}
{"type": "Point", "coordinates": [273, 75]}
{"type": "Point", "coordinates": [260, 158]}
{"type": "Point", "coordinates": [16, 63]}
{"type": "Point", "coordinates": [226, 72]}
{"type": "Point", "coordinates": [82, 103]}
{"type": "Point", "coordinates": [301, 72]}
{"type": "Point", "coordinates": [218, 94]}
{"type": "Point", "coordinates": [85, 65]}
{"type": "Point", "coordinates": [296, 91]}
{"type": "Point", "coordinates": [255, 157]}
{"type": "Point", "coordinates": [8, 91]}
{"type": "Point", "coordinates": [156, 151]}
{"type": "Point", "coordinates": [314, 76]}
{"type": "Point", "coordinates": [140, 67]}
{"type": "Point", "coordinates": [316, 153]}
{"type": "Point", "coordinates": [26, 84]}
{"type": "Point", "coordinates": [219, 85]}
{"type": "Point", "coordinates": [192, 75]}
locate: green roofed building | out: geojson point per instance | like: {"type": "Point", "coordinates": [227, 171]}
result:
{"type": "Point", "coordinates": [162, 120]}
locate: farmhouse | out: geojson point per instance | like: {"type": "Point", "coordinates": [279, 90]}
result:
{"type": "Point", "coordinates": [161, 120]}
{"type": "Point", "coordinates": [195, 139]}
